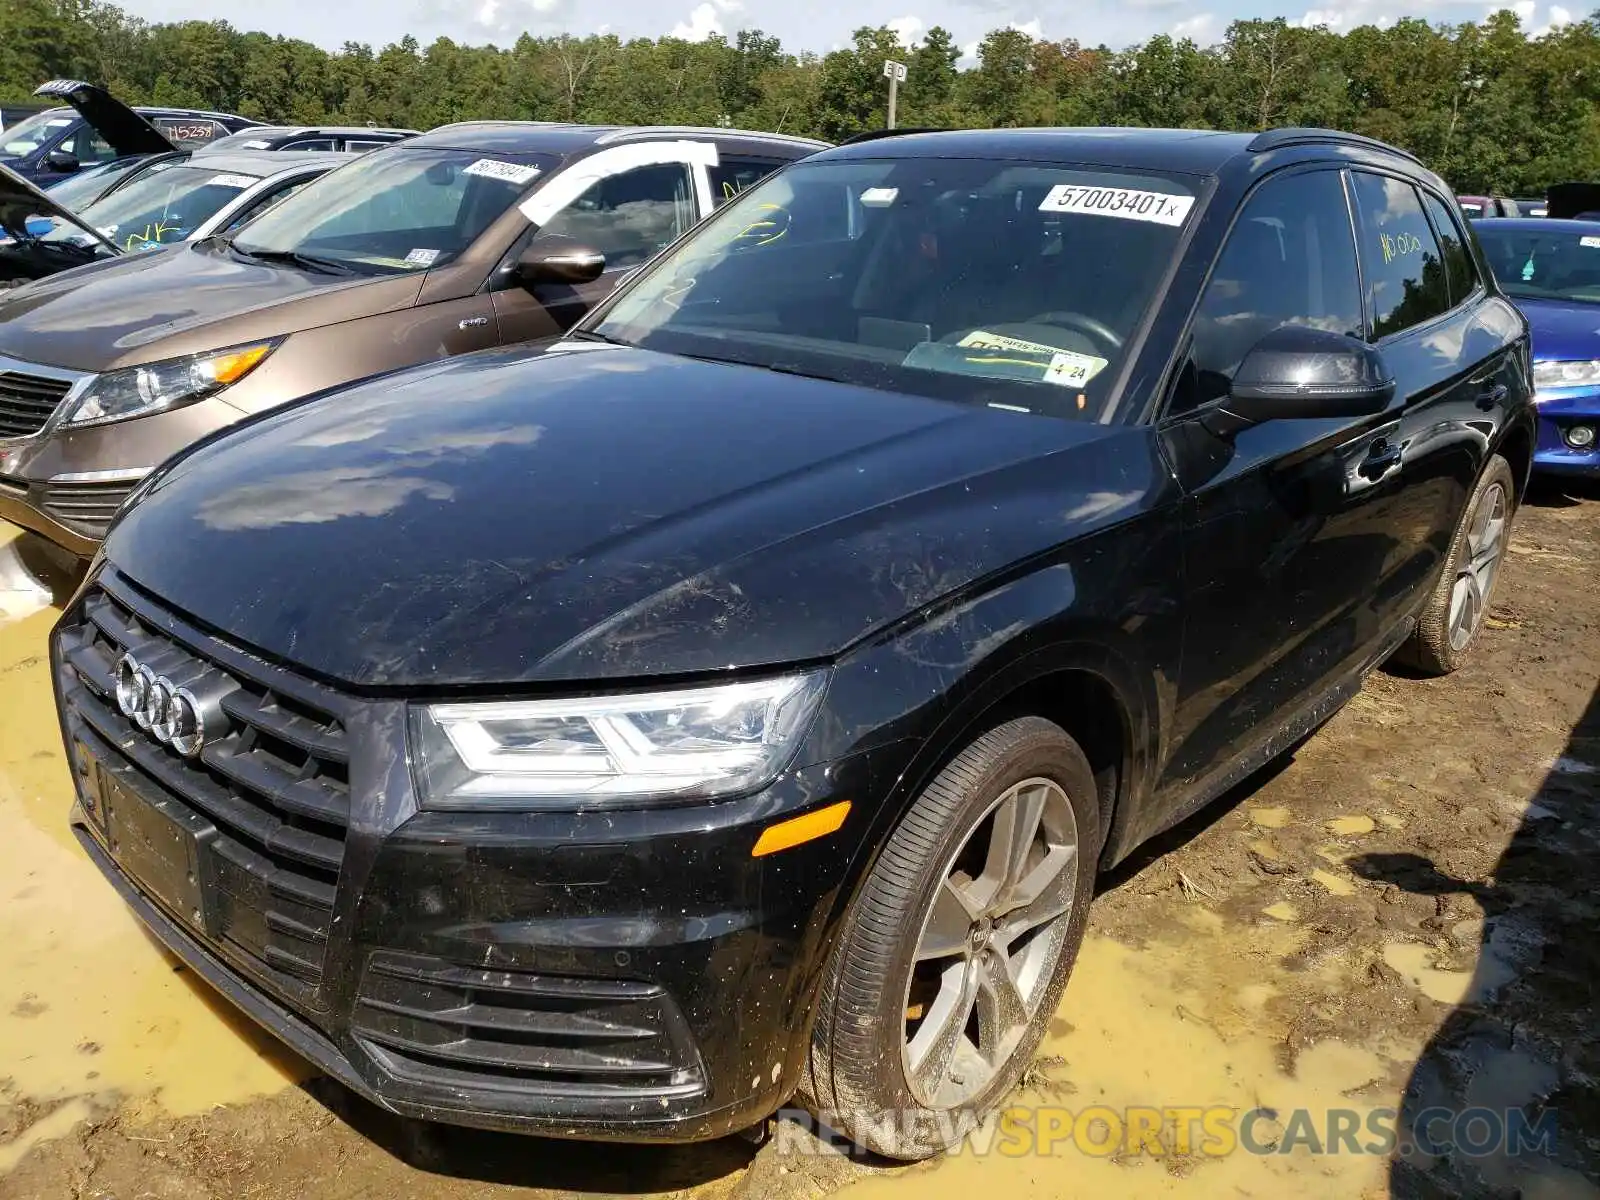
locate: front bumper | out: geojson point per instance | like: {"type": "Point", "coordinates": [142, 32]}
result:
{"type": "Point", "coordinates": [632, 975]}
{"type": "Point", "coordinates": [1553, 454]}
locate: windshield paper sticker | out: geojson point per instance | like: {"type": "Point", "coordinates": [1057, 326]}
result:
{"type": "Point", "coordinates": [510, 172]}
{"type": "Point", "coordinates": [1131, 204]}
{"type": "Point", "coordinates": [1592, 243]}
{"type": "Point", "coordinates": [879, 197]}
{"type": "Point", "coordinates": [1063, 367]}
{"type": "Point", "coordinates": [258, 145]}
{"type": "Point", "coordinates": [1073, 370]}
{"type": "Point", "coordinates": [423, 258]}
{"type": "Point", "coordinates": [232, 181]}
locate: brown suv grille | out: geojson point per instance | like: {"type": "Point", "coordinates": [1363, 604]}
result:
{"type": "Point", "coordinates": [26, 402]}
{"type": "Point", "coordinates": [86, 508]}
{"type": "Point", "coordinates": [275, 788]}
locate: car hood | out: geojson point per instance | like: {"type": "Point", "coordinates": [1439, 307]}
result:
{"type": "Point", "coordinates": [1561, 329]}
{"type": "Point", "coordinates": [124, 130]}
{"type": "Point", "coordinates": [21, 199]}
{"type": "Point", "coordinates": [194, 297]}
{"type": "Point", "coordinates": [594, 512]}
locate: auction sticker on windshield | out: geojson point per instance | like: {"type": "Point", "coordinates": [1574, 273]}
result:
{"type": "Point", "coordinates": [423, 258]}
{"type": "Point", "coordinates": [1064, 367]}
{"type": "Point", "coordinates": [494, 169]}
{"type": "Point", "coordinates": [1131, 204]}
{"type": "Point", "coordinates": [233, 181]}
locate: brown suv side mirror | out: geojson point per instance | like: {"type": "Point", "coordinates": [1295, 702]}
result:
{"type": "Point", "coordinates": [559, 260]}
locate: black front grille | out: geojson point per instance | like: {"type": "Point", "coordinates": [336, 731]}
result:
{"type": "Point", "coordinates": [26, 402]}
{"type": "Point", "coordinates": [275, 787]}
{"type": "Point", "coordinates": [86, 508]}
{"type": "Point", "coordinates": [477, 1028]}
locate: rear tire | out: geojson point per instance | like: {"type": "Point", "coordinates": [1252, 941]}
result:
{"type": "Point", "coordinates": [976, 906]}
{"type": "Point", "coordinates": [1450, 622]}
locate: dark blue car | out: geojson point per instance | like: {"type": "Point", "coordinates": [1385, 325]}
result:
{"type": "Point", "coordinates": [58, 143]}
{"type": "Point", "coordinates": [1551, 269]}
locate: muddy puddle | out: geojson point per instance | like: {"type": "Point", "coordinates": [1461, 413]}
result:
{"type": "Point", "coordinates": [1399, 920]}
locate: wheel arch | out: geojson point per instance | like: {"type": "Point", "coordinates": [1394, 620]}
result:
{"type": "Point", "coordinates": [1091, 691]}
{"type": "Point", "coordinates": [1516, 446]}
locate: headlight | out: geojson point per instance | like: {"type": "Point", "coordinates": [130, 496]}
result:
{"type": "Point", "coordinates": [1574, 373]}
{"type": "Point", "coordinates": [155, 387]}
{"type": "Point", "coordinates": [609, 751]}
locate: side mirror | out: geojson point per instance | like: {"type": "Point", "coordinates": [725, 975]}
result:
{"type": "Point", "coordinates": [1299, 372]}
{"type": "Point", "coordinates": [559, 260]}
{"type": "Point", "coordinates": [60, 160]}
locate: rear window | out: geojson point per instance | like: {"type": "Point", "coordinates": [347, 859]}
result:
{"type": "Point", "coordinates": [1400, 259]}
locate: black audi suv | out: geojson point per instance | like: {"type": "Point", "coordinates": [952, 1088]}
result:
{"type": "Point", "coordinates": [740, 696]}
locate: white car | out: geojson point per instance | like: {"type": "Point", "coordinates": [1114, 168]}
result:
{"type": "Point", "coordinates": [171, 200]}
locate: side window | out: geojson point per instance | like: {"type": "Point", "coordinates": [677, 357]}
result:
{"type": "Point", "coordinates": [1461, 273]}
{"type": "Point", "coordinates": [262, 204]}
{"type": "Point", "coordinates": [1405, 274]}
{"type": "Point", "coordinates": [88, 147]}
{"type": "Point", "coordinates": [1288, 260]}
{"type": "Point", "coordinates": [311, 144]}
{"type": "Point", "coordinates": [733, 175]}
{"type": "Point", "coordinates": [629, 216]}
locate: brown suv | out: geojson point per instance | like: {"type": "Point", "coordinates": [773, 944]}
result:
{"type": "Point", "coordinates": [467, 237]}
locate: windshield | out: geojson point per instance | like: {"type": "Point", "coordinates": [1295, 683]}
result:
{"type": "Point", "coordinates": [1010, 284]}
{"type": "Point", "coordinates": [27, 136]}
{"type": "Point", "coordinates": [159, 208]}
{"type": "Point", "coordinates": [395, 210]}
{"type": "Point", "coordinates": [1545, 264]}
{"type": "Point", "coordinates": [75, 191]}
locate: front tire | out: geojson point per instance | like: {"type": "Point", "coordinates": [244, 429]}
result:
{"type": "Point", "coordinates": [954, 956]}
{"type": "Point", "coordinates": [1454, 614]}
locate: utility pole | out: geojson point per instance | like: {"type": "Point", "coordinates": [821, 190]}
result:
{"type": "Point", "coordinates": [895, 73]}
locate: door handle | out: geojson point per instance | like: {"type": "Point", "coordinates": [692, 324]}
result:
{"type": "Point", "coordinates": [1493, 397]}
{"type": "Point", "coordinates": [1383, 457]}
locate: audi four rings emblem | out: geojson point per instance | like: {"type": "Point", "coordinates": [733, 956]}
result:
{"type": "Point", "coordinates": [168, 713]}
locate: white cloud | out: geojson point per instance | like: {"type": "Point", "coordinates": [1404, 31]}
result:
{"type": "Point", "coordinates": [1558, 17]}
{"type": "Point", "coordinates": [705, 20]}
{"type": "Point", "coordinates": [907, 29]}
{"type": "Point", "coordinates": [1525, 10]}
{"type": "Point", "coordinates": [1033, 28]}
{"type": "Point", "coordinates": [1203, 29]}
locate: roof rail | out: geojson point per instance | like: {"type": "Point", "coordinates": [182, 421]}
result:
{"type": "Point", "coordinates": [1277, 139]}
{"type": "Point", "coordinates": [626, 132]}
{"type": "Point", "coordinates": [872, 135]}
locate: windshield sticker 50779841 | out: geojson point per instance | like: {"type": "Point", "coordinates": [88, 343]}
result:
{"type": "Point", "coordinates": [1132, 204]}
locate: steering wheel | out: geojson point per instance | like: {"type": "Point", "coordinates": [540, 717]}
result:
{"type": "Point", "coordinates": [1086, 325]}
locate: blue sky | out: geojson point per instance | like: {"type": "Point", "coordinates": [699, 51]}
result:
{"type": "Point", "coordinates": [812, 26]}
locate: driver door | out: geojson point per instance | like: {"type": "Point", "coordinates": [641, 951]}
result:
{"type": "Point", "coordinates": [1290, 524]}
{"type": "Point", "coordinates": [628, 216]}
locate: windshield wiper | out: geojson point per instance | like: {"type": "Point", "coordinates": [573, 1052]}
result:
{"type": "Point", "coordinates": [591, 335]}
{"type": "Point", "coordinates": [310, 262]}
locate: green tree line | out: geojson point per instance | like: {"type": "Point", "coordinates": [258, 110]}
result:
{"type": "Point", "coordinates": [1486, 105]}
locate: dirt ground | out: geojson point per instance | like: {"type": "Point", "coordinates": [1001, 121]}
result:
{"type": "Point", "coordinates": [1400, 917]}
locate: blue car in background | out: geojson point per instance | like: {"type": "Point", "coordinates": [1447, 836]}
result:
{"type": "Point", "coordinates": [1551, 269]}
{"type": "Point", "coordinates": [58, 143]}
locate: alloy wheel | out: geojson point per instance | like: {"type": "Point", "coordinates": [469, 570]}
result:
{"type": "Point", "coordinates": [1486, 543]}
{"type": "Point", "coordinates": [990, 942]}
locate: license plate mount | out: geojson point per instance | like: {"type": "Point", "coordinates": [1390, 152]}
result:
{"type": "Point", "coordinates": [161, 844]}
